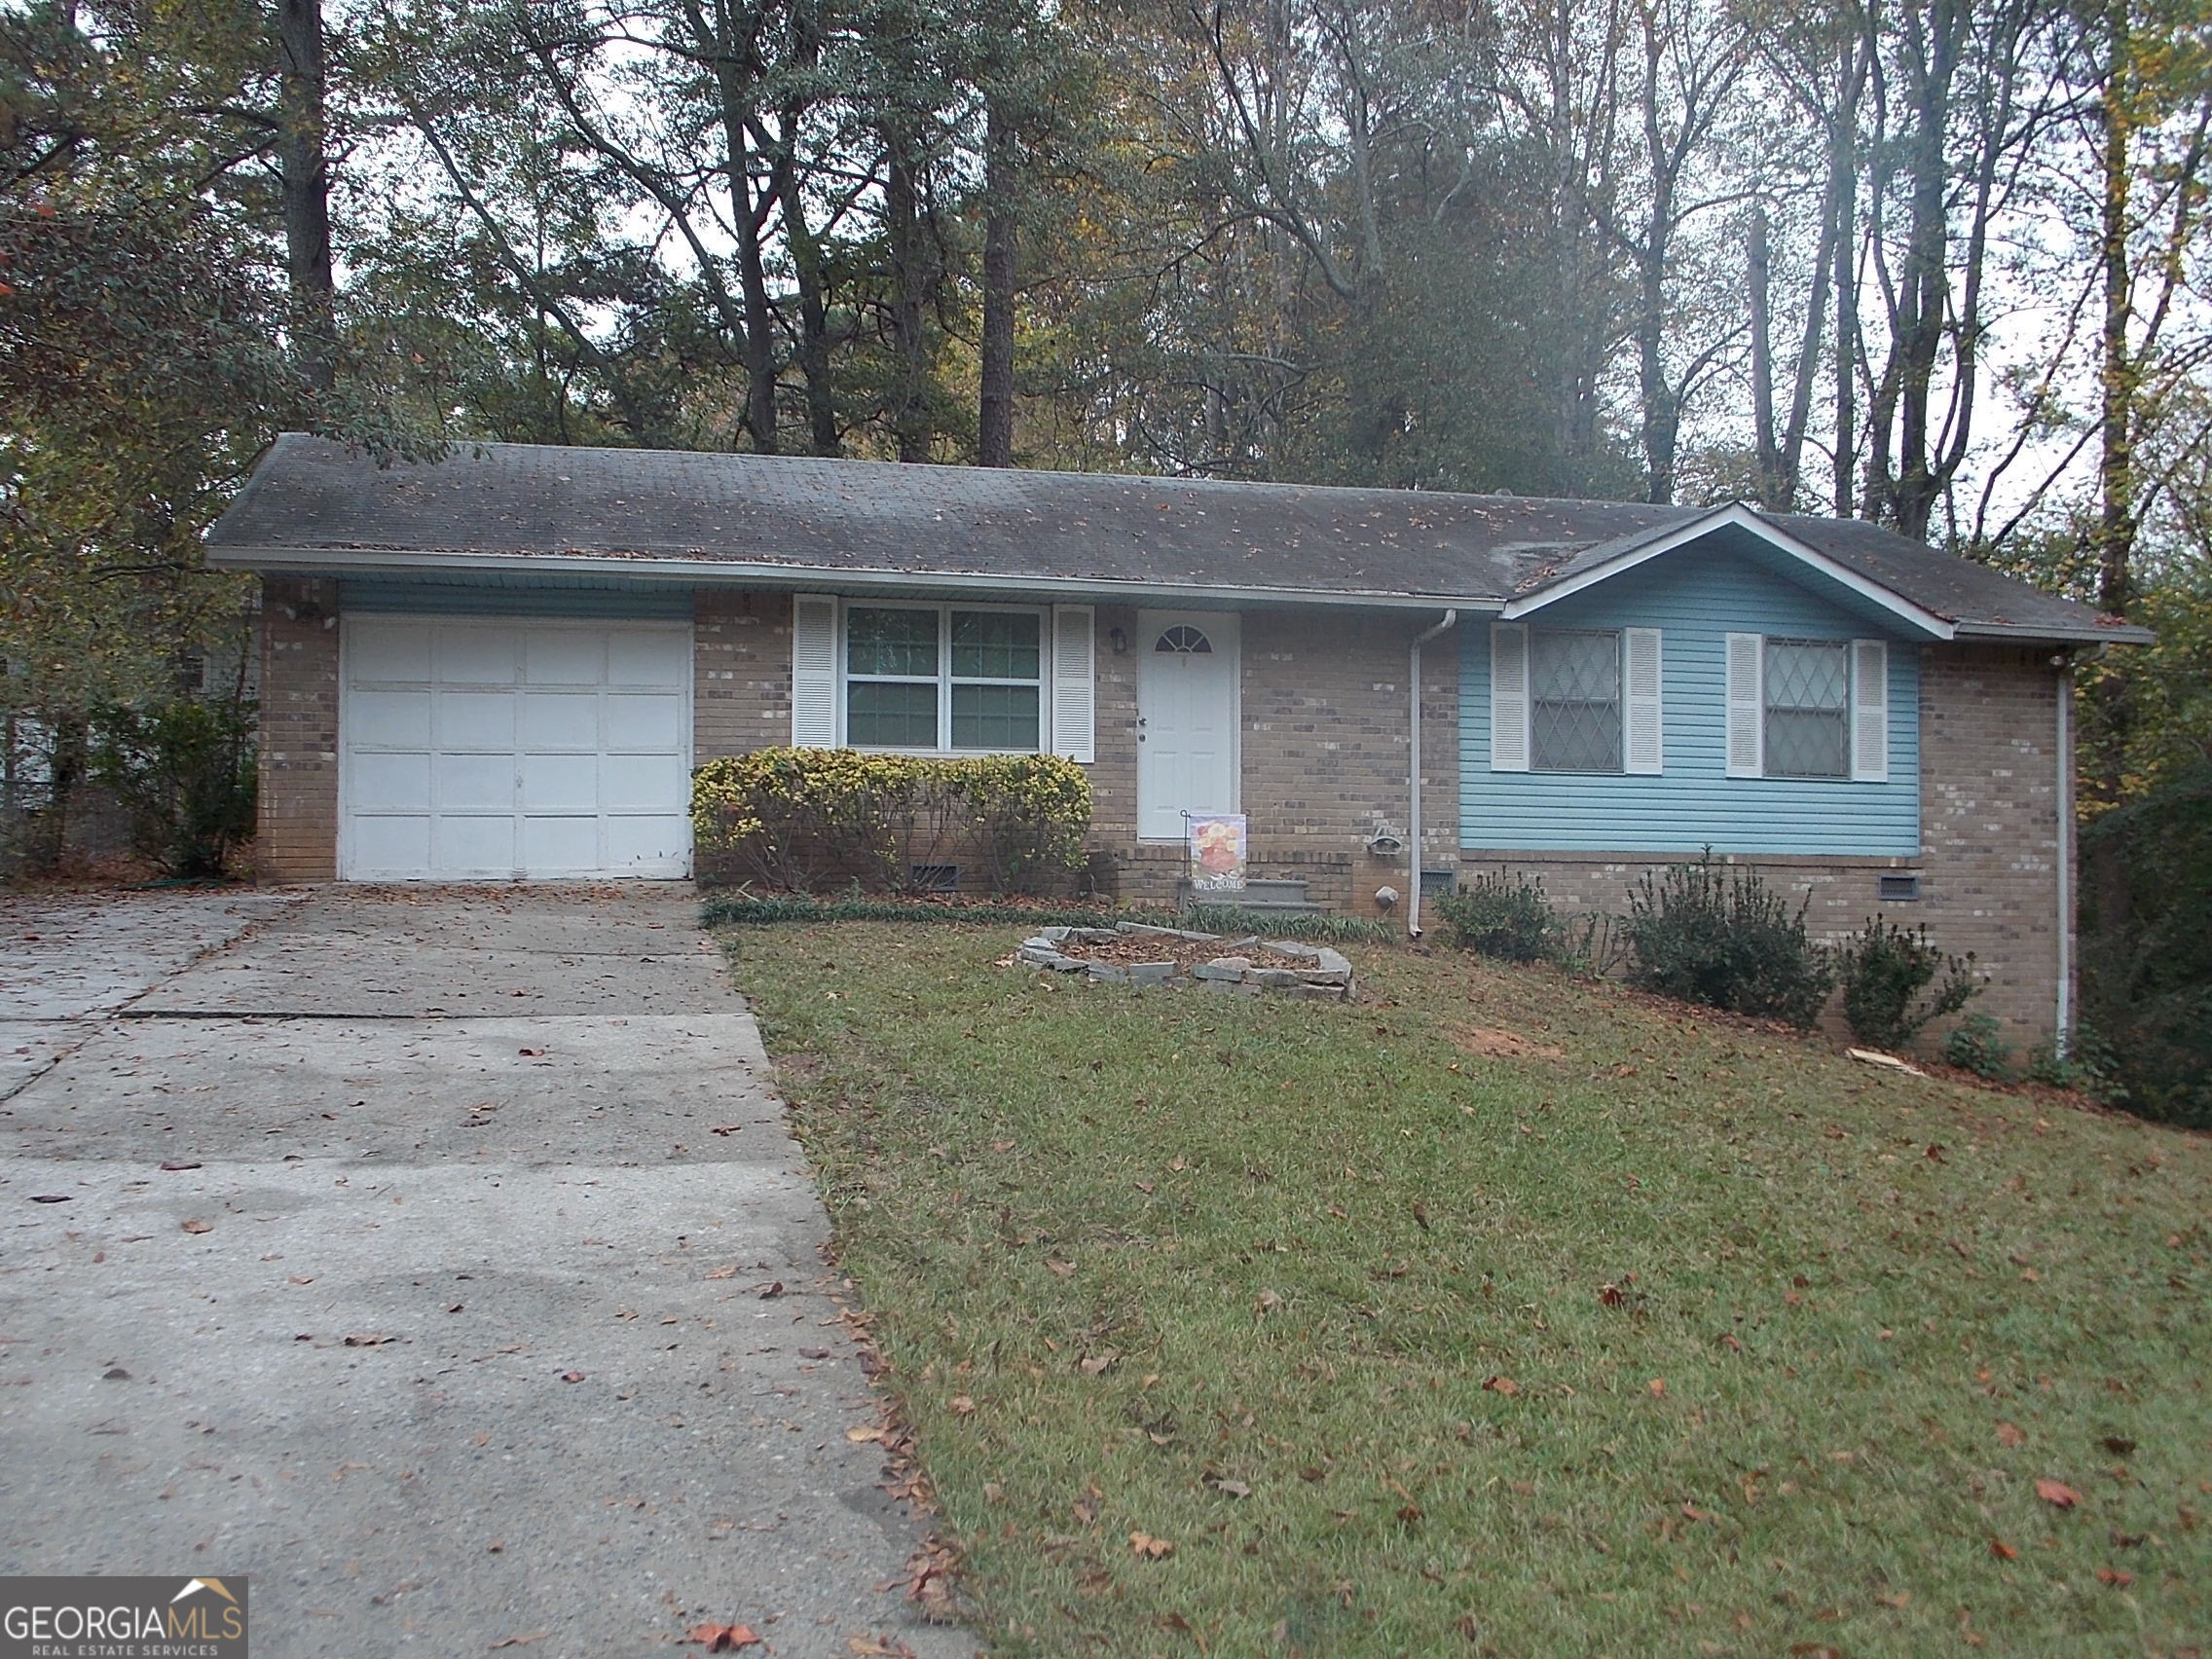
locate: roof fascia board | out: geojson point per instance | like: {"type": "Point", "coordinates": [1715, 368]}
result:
{"type": "Point", "coordinates": [2027, 633]}
{"type": "Point", "coordinates": [800, 578]}
{"type": "Point", "coordinates": [1741, 517]}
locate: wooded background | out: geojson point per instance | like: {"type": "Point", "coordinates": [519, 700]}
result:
{"type": "Point", "coordinates": [1938, 263]}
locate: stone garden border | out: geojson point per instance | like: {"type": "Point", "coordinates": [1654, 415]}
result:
{"type": "Point", "coordinates": [1251, 965]}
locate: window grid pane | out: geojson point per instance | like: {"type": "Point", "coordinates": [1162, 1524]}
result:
{"type": "Point", "coordinates": [995, 645]}
{"type": "Point", "coordinates": [1808, 695]}
{"type": "Point", "coordinates": [891, 641]}
{"type": "Point", "coordinates": [994, 716]}
{"type": "Point", "coordinates": [891, 715]}
{"type": "Point", "coordinates": [1574, 714]}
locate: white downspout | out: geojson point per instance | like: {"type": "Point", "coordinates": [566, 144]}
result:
{"type": "Point", "coordinates": [2064, 1037]}
{"type": "Point", "coordinates": [1413, 780]}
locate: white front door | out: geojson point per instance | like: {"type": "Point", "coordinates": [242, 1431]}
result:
{"type": "Point", "coordinates": [479, 748]}
{"type": "Point", "coordinates": [1187, 718]}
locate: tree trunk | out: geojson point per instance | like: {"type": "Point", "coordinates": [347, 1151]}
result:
{"type": "Point", "coordinates": [2115, 471]}
{"type": "Point", "coordinates": [1758, 273]}
{"type": "Point", "coordinates": [994, 439]}
{"type": "Point", "coordinates": [911, 286]}
{"type": "Point", "coordinates": [304, 168]}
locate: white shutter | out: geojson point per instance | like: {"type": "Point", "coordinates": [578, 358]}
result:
{"type": "Point", "coordinates": [1075, 681]}
{"type": "Point", "coordinates": [1509, 697]}
{"type": "Point", "coordinates": [814, 671]}
{"type": "Point", "coordinates": [1870, 711]}
{"type": "Point", "coordinates": [1747, 705]}
{"type": "Point", "coordinates": [1643, 746]}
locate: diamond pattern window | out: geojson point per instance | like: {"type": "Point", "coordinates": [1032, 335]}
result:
{"type": "Point", "coordinates": [1574, 707]}
{"type": "Point", "coordinates": [1808, 708]}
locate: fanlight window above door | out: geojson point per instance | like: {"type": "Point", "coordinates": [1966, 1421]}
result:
{"type": "Point", "coordinates": [1183, 640]}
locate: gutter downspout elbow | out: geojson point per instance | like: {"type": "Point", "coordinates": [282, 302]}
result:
{"type": "Point", "coordinates": [1412, 774]}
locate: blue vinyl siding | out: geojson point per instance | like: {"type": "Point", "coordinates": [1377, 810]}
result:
{"type": "Point", "coordinates": [1696, 597]}
{"type": "Point", "coordinates": [579, 599]}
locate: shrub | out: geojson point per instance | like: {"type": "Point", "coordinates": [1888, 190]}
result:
{"type": "Point", "coordinates": [1976, 1044]}
{"type": "Point", "coordinates": [1706, 934]}
{"type": "Point", "coordinates": [1510, 920]}
{"type": "Point", "coordinates": [2146, 946]}
{"type": "Point", "coordinates": [2085, 1063]}
{"type": "Point", "coordinates": [1885, 969]}
{"type": "Point", "coordinates": [184, 776]}
{"type": "Point", "coordinates": [799, 820]}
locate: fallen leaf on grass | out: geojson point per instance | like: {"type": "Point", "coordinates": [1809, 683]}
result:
{"type": "Point", "coordinates": [2118, 1445]}
{"type": "Point", "coordinates": [1658, 1388]}
{"type": "Point", "coordinates": [724, 1638]}
{"type": "Point", "coordinates": [2011, 1434]}
{"type": "Point", "coordinates": [960, 1405]}
{"type": "Point", "coordinates": [2003, 1551]}
{"type": "Point", "coordinates": [195, 1225]}
{"type": "Point", "coordinates": [1502, 1385]}
{"type": "Point", "coordinates": [1097, 1364]}
{"type": "Point", "coordinates": [2057, 1493]}
{"type": "Point", "coordinates": [1149, 1547]}
{"type": "Point", "coordinates": [2117, 1576]}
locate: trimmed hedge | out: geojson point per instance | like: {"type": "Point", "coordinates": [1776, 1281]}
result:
{"type": "Point", "coordinates": [804, 820]}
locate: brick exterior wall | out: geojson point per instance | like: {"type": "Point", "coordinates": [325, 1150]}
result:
{"type": "Point", "coordinates": [297, 838]}
{"type": "Point", "coordinates": [1990, 782]}
{"type": "Point", "coordinates": [741, 672]}
{"type": "Point", "coordinates": [1324, 753]}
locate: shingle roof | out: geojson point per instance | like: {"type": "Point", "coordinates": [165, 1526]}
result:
{"type": "Point", "coordinates": [312, 504]}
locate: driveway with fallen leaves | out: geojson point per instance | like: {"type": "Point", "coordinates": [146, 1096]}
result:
{"type": "Point", "coordinates": [438, 1261]}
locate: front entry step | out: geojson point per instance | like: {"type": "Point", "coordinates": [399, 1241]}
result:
{"type": "Point", "coordinates": [1289, 897]}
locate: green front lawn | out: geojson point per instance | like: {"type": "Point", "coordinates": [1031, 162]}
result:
{"type": "Point", "coordinates": [1659, 1336]}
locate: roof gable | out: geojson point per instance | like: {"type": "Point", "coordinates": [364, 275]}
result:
{"type": "Point", "coordinates": [1738, 524]}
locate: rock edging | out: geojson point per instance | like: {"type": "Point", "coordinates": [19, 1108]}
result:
{"type": "Point", "coordinates": [1250, 966]}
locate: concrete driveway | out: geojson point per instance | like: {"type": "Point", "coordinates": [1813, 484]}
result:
{"type": "Point", "coordinates": [438, 1261]}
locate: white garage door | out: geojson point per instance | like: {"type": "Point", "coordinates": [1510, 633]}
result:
{"type": "Point", "coordinates": [476, 748]}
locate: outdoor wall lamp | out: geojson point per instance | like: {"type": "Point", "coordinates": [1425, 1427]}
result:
{"type": "Point", "coordinates": [1118, 638]}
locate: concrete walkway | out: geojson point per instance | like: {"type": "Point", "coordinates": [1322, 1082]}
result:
{"type": "Point", "coordinates": [436, 1260]}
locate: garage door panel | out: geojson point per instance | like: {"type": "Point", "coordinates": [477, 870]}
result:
{"type": "Point", "coordinates": [472, 783]}
{"type": "Point", "coordinates": [379, 648]}
{"type": "Point", "coordinates": [393, 781]}
{"type": "Point", "coordinates": [642, 782]}
{"type": "Point", "coordinates": [387, 720]}
{"type": "Point", "coordinates": [564, 656]}
{"type": "Point", "coordinates": [659, 844]}
{"type": "Point", "coordinates": [568, 782]}
{"type": "Point", "coordinates": [660, 656]}
{"type": "Point", "coordinates": [558, 719]}
{"type": "Point", "coordinates": [466, 842]}
{"type": "Point", "coordinates": [389, 844]}
{"type": "Point", "coordinates": [476, 720]}
{"type": "Point", "coordinates": [644, 720]}
{"type": "Point", "coordinates": [517, 749]}
{"type": "Point", "coordinates": [560, 846]}
{"type": "Point", "coordinates": [477, 656]}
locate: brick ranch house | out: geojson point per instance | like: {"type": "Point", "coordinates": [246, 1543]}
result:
{"type": "Point", "coordinates": [504, 664]}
